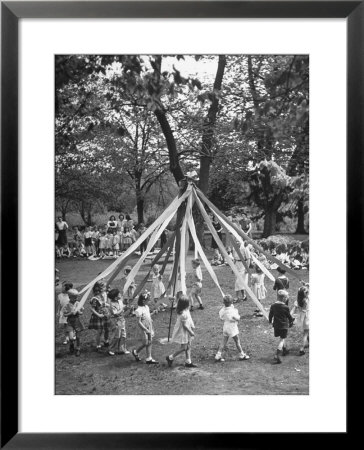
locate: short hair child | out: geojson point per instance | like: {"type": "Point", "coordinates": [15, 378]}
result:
{"type": "Point", "coordinates": [230, 315]}
{"type": "Point", "coordinates": [281, 318]}
{"type": "Point", "coordinates": [281, 282]}
{"type": "Point", "coordinates": [74, 322]}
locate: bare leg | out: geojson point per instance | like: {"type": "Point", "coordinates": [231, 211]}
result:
{"type": "Point", "coordinates": [122, 346]}
{"type": "Point", "coordinates": [140, 348]}
{"type": "Point", "coordinates": [305, 339]}
{"type": "Point", "coordinates": [304, 343]}
{"type": "Point", "coordinates": [221, 348]}
{"type": "Point", "coordinates": [192, 301]}
{"type": "Point", "coordinates": [237, 343]}
{"type": "Point", "coordinates": [98, 338]}
{"type": "Point", "coordinates": [178, 352]}
{"type": "Point", "coordinates": [149, 351]}
{"type": "Point", "coordinates": [188, 353]}
{"type": "Point", "coordinates": [198, 298]}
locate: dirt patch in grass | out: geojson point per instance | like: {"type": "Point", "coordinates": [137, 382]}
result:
{"type": "Point", "coordinates": [96, 373]}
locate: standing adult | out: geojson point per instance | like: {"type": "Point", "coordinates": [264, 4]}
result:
{"type": "Point", "coordinates": [218, 229]}
{"type": "Point", "coordinates": [61, 228]}
{"type": "Point", "coordinates": [246, 225]}
{"type": "Point", "coordinates": [129, 222]}
{"type": "Point", "coordinates": [121, 221]}
{"type": "Point", "coordinates": [239, 285]}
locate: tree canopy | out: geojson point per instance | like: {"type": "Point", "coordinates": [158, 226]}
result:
{"type": "Point", "coordinates": [127, 123]}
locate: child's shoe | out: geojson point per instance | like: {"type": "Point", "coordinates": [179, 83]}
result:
{"type": "Point", "coordinates": [106, 343]}
{"type": "Point", "coordinates": [285, 351]}
{"type": "Point", "coordinates": [66, 342]}
{"type": "Point", "coordinates": [78, 352]}
{"type": "Point", "coordinates": [169, 361]}
{"type": "Point", "coordinates": [72, 347]}
{"type": "Point", "coordinates": [111, 353]}
{"type": "Point", "coordinates": [277, 358]}
{"type": "Point", "coordinates": [244, 357]}
{"type": "Point", "coordinates": [302, 352]}
{"type": "Point", "coordinates": [98, 348]}
{"type": "Point", "coordinates": [151, 361]}
{"type": "Point", "coordinates": [201, 307]}
{"type": "Point", "coordinates": [136, 356]}
{"type": "Point", "coordinates": [219, 359]}
{"type": "Point", "coordinates": [124, 352]}
{"type": "Point", "coordinates": [190, 365]}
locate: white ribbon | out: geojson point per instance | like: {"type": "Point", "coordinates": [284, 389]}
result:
{"type": "Point", "coordinates": [191, 226]}
{"type": "Point", "coordinates": [226, 256]}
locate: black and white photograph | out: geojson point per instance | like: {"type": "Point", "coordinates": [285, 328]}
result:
{"type": "Point", "coordinates": [181, 224]}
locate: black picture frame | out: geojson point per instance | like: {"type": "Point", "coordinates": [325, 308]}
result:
{"type": "Point", "coordinates": [11, 12]}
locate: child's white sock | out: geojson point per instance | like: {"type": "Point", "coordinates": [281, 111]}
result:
{"type": "Point", "coordinates": [218, 355]}
{"type": "Point", "coordinates": [188, 361]}
{"type": "Point", "coordinates": [149, 359]}
{"type": "Point", "coordinates": [171, 357]}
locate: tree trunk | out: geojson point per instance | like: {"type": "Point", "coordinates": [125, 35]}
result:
{"type": "Point", "coordinates": [89, 214]}
{"type": "Point", "coordinates": [82, 212]}
{"type": "Point", "coordinates": [174, 165]}
{"type": "Point", "coordinates": [171, 145]}
{"type": "Point", "coordinates": [207, 144]}
{"type": "Point", "coordinates": [208, 129]}
{"type": "Point", "coordinates": [139, 195]}
{"type": "Point", "coordinates": [301, 218]}
{"type": "Point", "coordinates": [140, 208]}
{"type": "Point", "coordinates": [270, 222]}
{"type": "Point", "coordinates": [64, 209]}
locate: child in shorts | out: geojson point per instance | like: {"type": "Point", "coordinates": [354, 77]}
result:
{"type": "Point", "coordinates": [281, 318]}
{"type": "Point", "coordinates": [230, 315]}
{"type": "Point", "coordinates": [74, 322]}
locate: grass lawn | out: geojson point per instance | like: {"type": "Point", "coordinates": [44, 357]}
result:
{"type": "Point", "coordinates": [101, 374]}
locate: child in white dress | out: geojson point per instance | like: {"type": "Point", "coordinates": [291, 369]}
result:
{"type": "Point", "coordinates": [301, 308]}
{"type": "Point", "coordinates": [145, 327]}
{"type": "Point", "coordinates": [158, 290]}
{"type": "Point", "coordinates": [230, 315]}
{"type": "Point", "coordinates": [102, 244]}
{"type": "Point", "coordinates": [115, 244]}
{"type": "Point", "coordinates": [239, 285]}
{"type": "Point", "coordinates": [127, 239]}
{"type": "Point", "coordinates": [259, 289]}
{"type": "Point", "coordinates": [183, 332]}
